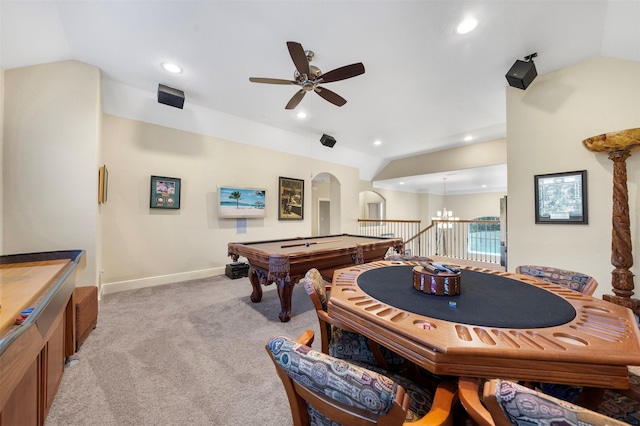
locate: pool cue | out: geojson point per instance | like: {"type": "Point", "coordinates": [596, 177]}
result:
{"type": "Point", "coordinates": [308, 244]}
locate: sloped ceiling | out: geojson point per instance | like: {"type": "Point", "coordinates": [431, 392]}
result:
{"type": "Point", "coordinates": [426, 88]}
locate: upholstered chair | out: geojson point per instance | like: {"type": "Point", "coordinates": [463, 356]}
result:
{"type": "Point", "coordinates": [502, 403]}
{"type": "Point", "coordinates": [576, 281]}
{"type": "Point", "coordinates": [342, 343]}
{"type": "Point", "coordinates": [327, 391]}
{"type": "Point", "coordinates": [512, 404]}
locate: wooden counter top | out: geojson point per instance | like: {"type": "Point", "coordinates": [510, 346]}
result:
{"type": "Point", "coordinates": [22, 286]}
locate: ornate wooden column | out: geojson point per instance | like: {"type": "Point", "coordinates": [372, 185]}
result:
{"type": "Point", "coordinates": [619, 145]}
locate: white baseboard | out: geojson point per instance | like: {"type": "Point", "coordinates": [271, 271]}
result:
{"type": "Point", "coordinates": [119, 286]}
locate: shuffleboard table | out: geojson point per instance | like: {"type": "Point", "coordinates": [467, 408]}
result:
{"type": "Point", "coordinates": [33, 348]}
{"type": "Point", "coordinates": [286, 261]}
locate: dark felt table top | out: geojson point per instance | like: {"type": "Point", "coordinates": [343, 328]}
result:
{"type": "Point", "coordinates": [485, 299]}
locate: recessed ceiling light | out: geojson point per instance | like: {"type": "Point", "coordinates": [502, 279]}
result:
{"type": "Point", "coordinates": [401, 183]}
{"type": "Point", "coordinates": [467, 25]}
{"type": "Point", "coordinates": [171, 67]}
{"type": "Point", "coordinates": [301, 115]}
{"type": "Point", "coordinates": [377, 142]}
{"type": "Point", "coordinates": [468, 138]}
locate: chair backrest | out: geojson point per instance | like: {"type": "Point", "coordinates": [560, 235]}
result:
{"type": "Point", "coordinates": [512, 404]}
{"type": "Point", "coordinates": [316, 288]}
{"type": "Point", "coordinates": [345, 393]}
{"type": "Point", "coordinates": [339, 342]}
{"type": "Point", "coordinates": [576, 281]}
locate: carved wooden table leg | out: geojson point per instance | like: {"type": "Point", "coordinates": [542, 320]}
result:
{"type": "Point", "coordinates": [619, 145]}
{"type": "Point", "coordinates": [279, 268]}
{"type": "Point", "coordinates": [256, 278]}
{"type": "Point", "coordinates": [285, 291]}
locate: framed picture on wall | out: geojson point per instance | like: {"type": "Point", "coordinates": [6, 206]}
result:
{"type": "Point", "coordinates": [238, 202]}
{"type": "Point", "coordinates": [561, 198]}
{"type": "Point", "coordinates": [165, 192]}
{"type": "Point", "coordinates": [290, 199]}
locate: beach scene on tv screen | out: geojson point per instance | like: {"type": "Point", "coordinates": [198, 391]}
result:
{"type": "Point", "coordinates": [242, 202]}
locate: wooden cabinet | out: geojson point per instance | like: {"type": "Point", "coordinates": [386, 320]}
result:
{"type": "Point", "coordinates": [22, 406]}
{"type": "Point", "coordinates": [52, 357]}
{"type": "Point", "coordinates": [32, 355]}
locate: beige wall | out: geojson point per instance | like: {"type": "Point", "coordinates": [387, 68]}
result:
{"type": "Point", "coordinates": [408, 206]}
{"type": "Point", "coordinates": [471, 206]}
{"type": "Point", "coordinates": [1, 156]}
{"type": "Point", "coordinates": [546, 125]}
{"type": "Point", "coordinates": [481, 154]}
{"type": "Point", "coordinates": [51, 142]}
{"type": "Point", "coordinates": [153, 245]}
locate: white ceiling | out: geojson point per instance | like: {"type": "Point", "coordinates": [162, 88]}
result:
{"type": "Point", "coordinates": [425, 87]}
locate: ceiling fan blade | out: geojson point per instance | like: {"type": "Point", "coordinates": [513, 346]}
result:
{"type": "Point", "coordinates": [295, 99]}
{"type": "Point", "coordinates": [343, 73]}
{"type": "Point", "coordinates": [271, 80]}
{"type": "Point", "coordinates": [330, 96]}
{"type": "Point", "coordinates": [299, 57]}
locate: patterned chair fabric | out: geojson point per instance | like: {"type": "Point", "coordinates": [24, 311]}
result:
{"type": "Point", "coordinates": [344, 344]}
{"type": "Point", "coordinates": [510, 403]}
{"type": "Point", "coordinates": [572, 280]}
{"type": "Point", "coordinates": [347, 383]}
{"type": "Point", "coordinates": [618, 404]}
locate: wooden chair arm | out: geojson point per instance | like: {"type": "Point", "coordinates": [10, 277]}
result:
{"type": "Point", "coordinates": [306, 338]}
{"type": "Point", "coordinates": [324, 319]}
{"type": "Point", "coordinates": [442, 408]}
{"type": "Point", "coordinates": [468, 391]}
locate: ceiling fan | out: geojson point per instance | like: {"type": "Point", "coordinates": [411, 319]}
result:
{"type": "Point", "coordinates": [309, 77]}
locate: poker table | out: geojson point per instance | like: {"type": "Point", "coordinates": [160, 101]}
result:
{"type": "Point", "coordinates": [500, 325]}
{"type": "Point", "coordinates": [286, 261]}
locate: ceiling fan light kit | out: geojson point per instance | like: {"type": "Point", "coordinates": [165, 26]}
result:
{"type": "Point", "coordinates": [309, 77]}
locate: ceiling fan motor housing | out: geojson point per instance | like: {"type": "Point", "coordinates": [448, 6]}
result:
{"type": "Point", "coordinates": [314, 72]}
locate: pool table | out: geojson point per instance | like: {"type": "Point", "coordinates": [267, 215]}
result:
{"type": "Point", "coordinates": [286, 261]}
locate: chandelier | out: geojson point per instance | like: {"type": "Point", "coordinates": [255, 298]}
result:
{"type": "Point", "coordinates": [444, 217]}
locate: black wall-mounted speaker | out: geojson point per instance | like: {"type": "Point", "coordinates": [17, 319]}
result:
{"type": "Point", "coordinates": [327, 140]}
{"type": "Point", "coordinates": [521, 74]}
{"type": "Point", "coordinates": [170, 96]}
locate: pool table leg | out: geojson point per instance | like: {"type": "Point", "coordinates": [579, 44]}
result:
{"type": "Point", "coordinates": [254, 278]}
{"type": "Point", "coordinates": [285, 291]}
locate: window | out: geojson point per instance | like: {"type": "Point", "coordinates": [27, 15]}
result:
{"type": "Point", "coordinates": [484, 238]}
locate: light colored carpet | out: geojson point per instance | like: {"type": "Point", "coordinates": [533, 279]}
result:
{"type": "Point", "coordinates": [184, 353]}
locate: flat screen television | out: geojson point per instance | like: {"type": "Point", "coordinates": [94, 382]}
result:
{"type": "Point", "coordinates": [235, 201]}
